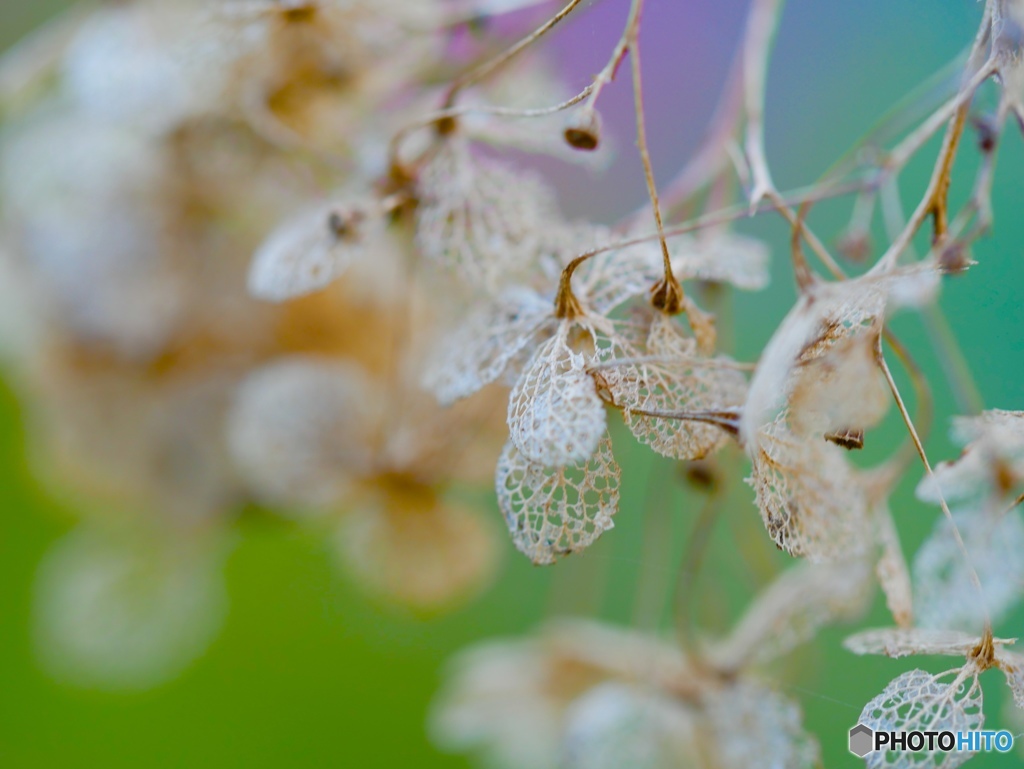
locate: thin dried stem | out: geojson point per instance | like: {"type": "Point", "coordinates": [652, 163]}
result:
{"type": "Point", "coordinates": [919, 446]}
{"type": "Point", "coordinates": [761, 27]}
{"type": "Point", "coordinates": [480, 72]}
{"type": "Point", "coordinates": [693, 561]}
{"type": "Point", "coordinates": [667, 295]}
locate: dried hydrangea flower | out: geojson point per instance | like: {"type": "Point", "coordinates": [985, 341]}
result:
{"type": "Point", "coordinates": [582, 694]}
{"type": "Point", "coordinates": [919, 701]}
{"type": "Point", "coordinates": [945, 593]}
{"type": "Point", "coordinates": [319, 436]}
{"type": "Point", "coordinates": [807, 396]}
{"type": "Point", "coordinates": [922, 701]}
{"type": "Point", "coordinates": [750, 725]}
{"type": "Point", "coordinates": [480, 219]}
{"type": "Point", "coordinates": [144, 64]}
{"type": "Point", "coordinates": [112, 613]}
{"type": "Point", "coordinates": [990, 469]}
{"type": "Point", "coordinates": [983, 484]}
{"type": "Point", "coordinates": [299, 430]}
{"type": "Point", "coordinates": [615, 725]}
{"type": "Point", "coordinates": [662, 371]}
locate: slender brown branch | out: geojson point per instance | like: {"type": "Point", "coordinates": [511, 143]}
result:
{"type": "Point", "coordinates": [919, 446]}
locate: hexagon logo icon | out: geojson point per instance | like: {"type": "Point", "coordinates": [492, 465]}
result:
{"type": "Point", "coordinates": [862, 740]}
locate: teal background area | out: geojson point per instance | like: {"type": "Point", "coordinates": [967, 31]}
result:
{"type": "Point", "coordinates": [308, 673]}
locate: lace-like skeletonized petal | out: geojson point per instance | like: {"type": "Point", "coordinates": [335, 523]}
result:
{"type": "Point", "coordinates": [310, 251]}
{"type": "Point", "coordinates": [945, 594]}
{"type": "Point", "coordinates": [892, 571]}
{"type": "Point", "coordinates": [1012, 666]}
{"type": "Point", "coordinates": [673, 377]}
{"type": "Point", "coordinates": [298, 430]}
{"type": "Point", "coordinates": [555, 416]}
{"type": "Point", "coordinates": [484, 346]}
{"type": "Point", "coordinates": [923, 702]}
{"type": "Point", "coordinates": [552, 512]}
{"type": "Point", "coordinates": [810, 501]}
{"type": "Point", "coordinates": [903, 642]}
{"type": "Point", "coordinates": [792, 610]}
{"type": "Point", "coordinates": [755, 726]}
{"type": "Point", "coordinates": [479, 219]}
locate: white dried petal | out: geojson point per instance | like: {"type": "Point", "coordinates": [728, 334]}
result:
{"type": "Point", "coordinates": [923, 702]}
{"type": "Point", "coordinates": [945, 595]}
{"type": "Point", "coordinates": [86, 212]}
{"type": "Point", "coordinates": [311, 250]}
{"type": "Point", "coordinates": [299, 430]}
{"type": "Point", "coordinates": [615, 725]}
{"type": "Point", "coordinates": [555, 416]}
{"type": "Point", "coordinates": [903, 642]}
{"type": "Point", "coordinates": [1006, 426]}
{"type": "Point", "coordinates": [665, 374]}
{"type": "Point", "coordinates": [791, 611]}
{"type": "Point", "coordinates": [825, 315]}
{"type": "Point", "coordinates": [551, 511]}
{"type": "Point", "coordinates": [498, 699]}
{"type": "Point", "coordinates": [721, 257]}
{"type": "Point", "coordinates": [893, 574]}
{"type": "Point", "coordinates": [479, 219]}
{"type": "Point", "coordinates": [125, 614]}
{"type": "Point", "coordinates": [751, 725]}
{"type": "Point", "coordinates": [142, 65]}
{"type": "Point", "coordinates": [811, 501]}
{"type": "Point", "coordinates": [1012, 665]}
{"type": "Point", "coordinates": [484, 346]}
{"type": "Point", "coordinates": [842, 389]}
{"type": "Point", "coordinates": [426, 556]}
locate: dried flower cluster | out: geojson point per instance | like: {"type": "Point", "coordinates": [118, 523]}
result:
{"type": "Point", "coordinates": [280, 253]}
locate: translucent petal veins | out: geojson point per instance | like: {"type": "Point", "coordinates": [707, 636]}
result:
{"type": "Point", "coordinates": [309, 252]}
{"type": "Point", "coordinates": [554, 511]}
{"type": "Point", "coordinates": [479, 219]}
{"type": "Point", "coordinates": [555, 416]}
{"type": "Point", "coordinates": [920, 701]}
{"type": "Point", "coordinates": [810, 503]}
{"type": "Point", "coordinates": [945, 595]}
{"type": "Point", "coordinates": [669, 376]}
{"type": "Point", "coordinates": [903, 642]}
{"type": "Point", "coordinates": [484, 346]}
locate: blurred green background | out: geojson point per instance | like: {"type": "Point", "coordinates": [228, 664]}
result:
{"type": "Point", "coordinates": [308, 673]}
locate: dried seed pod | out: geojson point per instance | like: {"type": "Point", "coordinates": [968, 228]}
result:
{"type": "Point", "coordinates": [583, 132]}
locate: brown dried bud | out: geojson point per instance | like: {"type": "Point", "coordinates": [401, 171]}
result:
{"type": "Point", "coordinates": [955, 259]}
{"type": "Point", "coordinates": [667, 296]}
{"type": "Point", "coordinates": [584, 131]}
{"type": "Point", "coordinates": [988, 133]}
{"type": "Point", "coordinates": [344, 225]}
{"type": "Point", "coordinates": [855, 246]}
{"type": "Point", "coordinates": [700, 474]}
{"type": "Point", "coordinates": [849, 439]}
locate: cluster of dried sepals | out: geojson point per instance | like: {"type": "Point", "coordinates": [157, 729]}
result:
{"type": "Point", "coordinates": [150, 149]}
{"type": "Point", "coordinates": [185, 359]}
